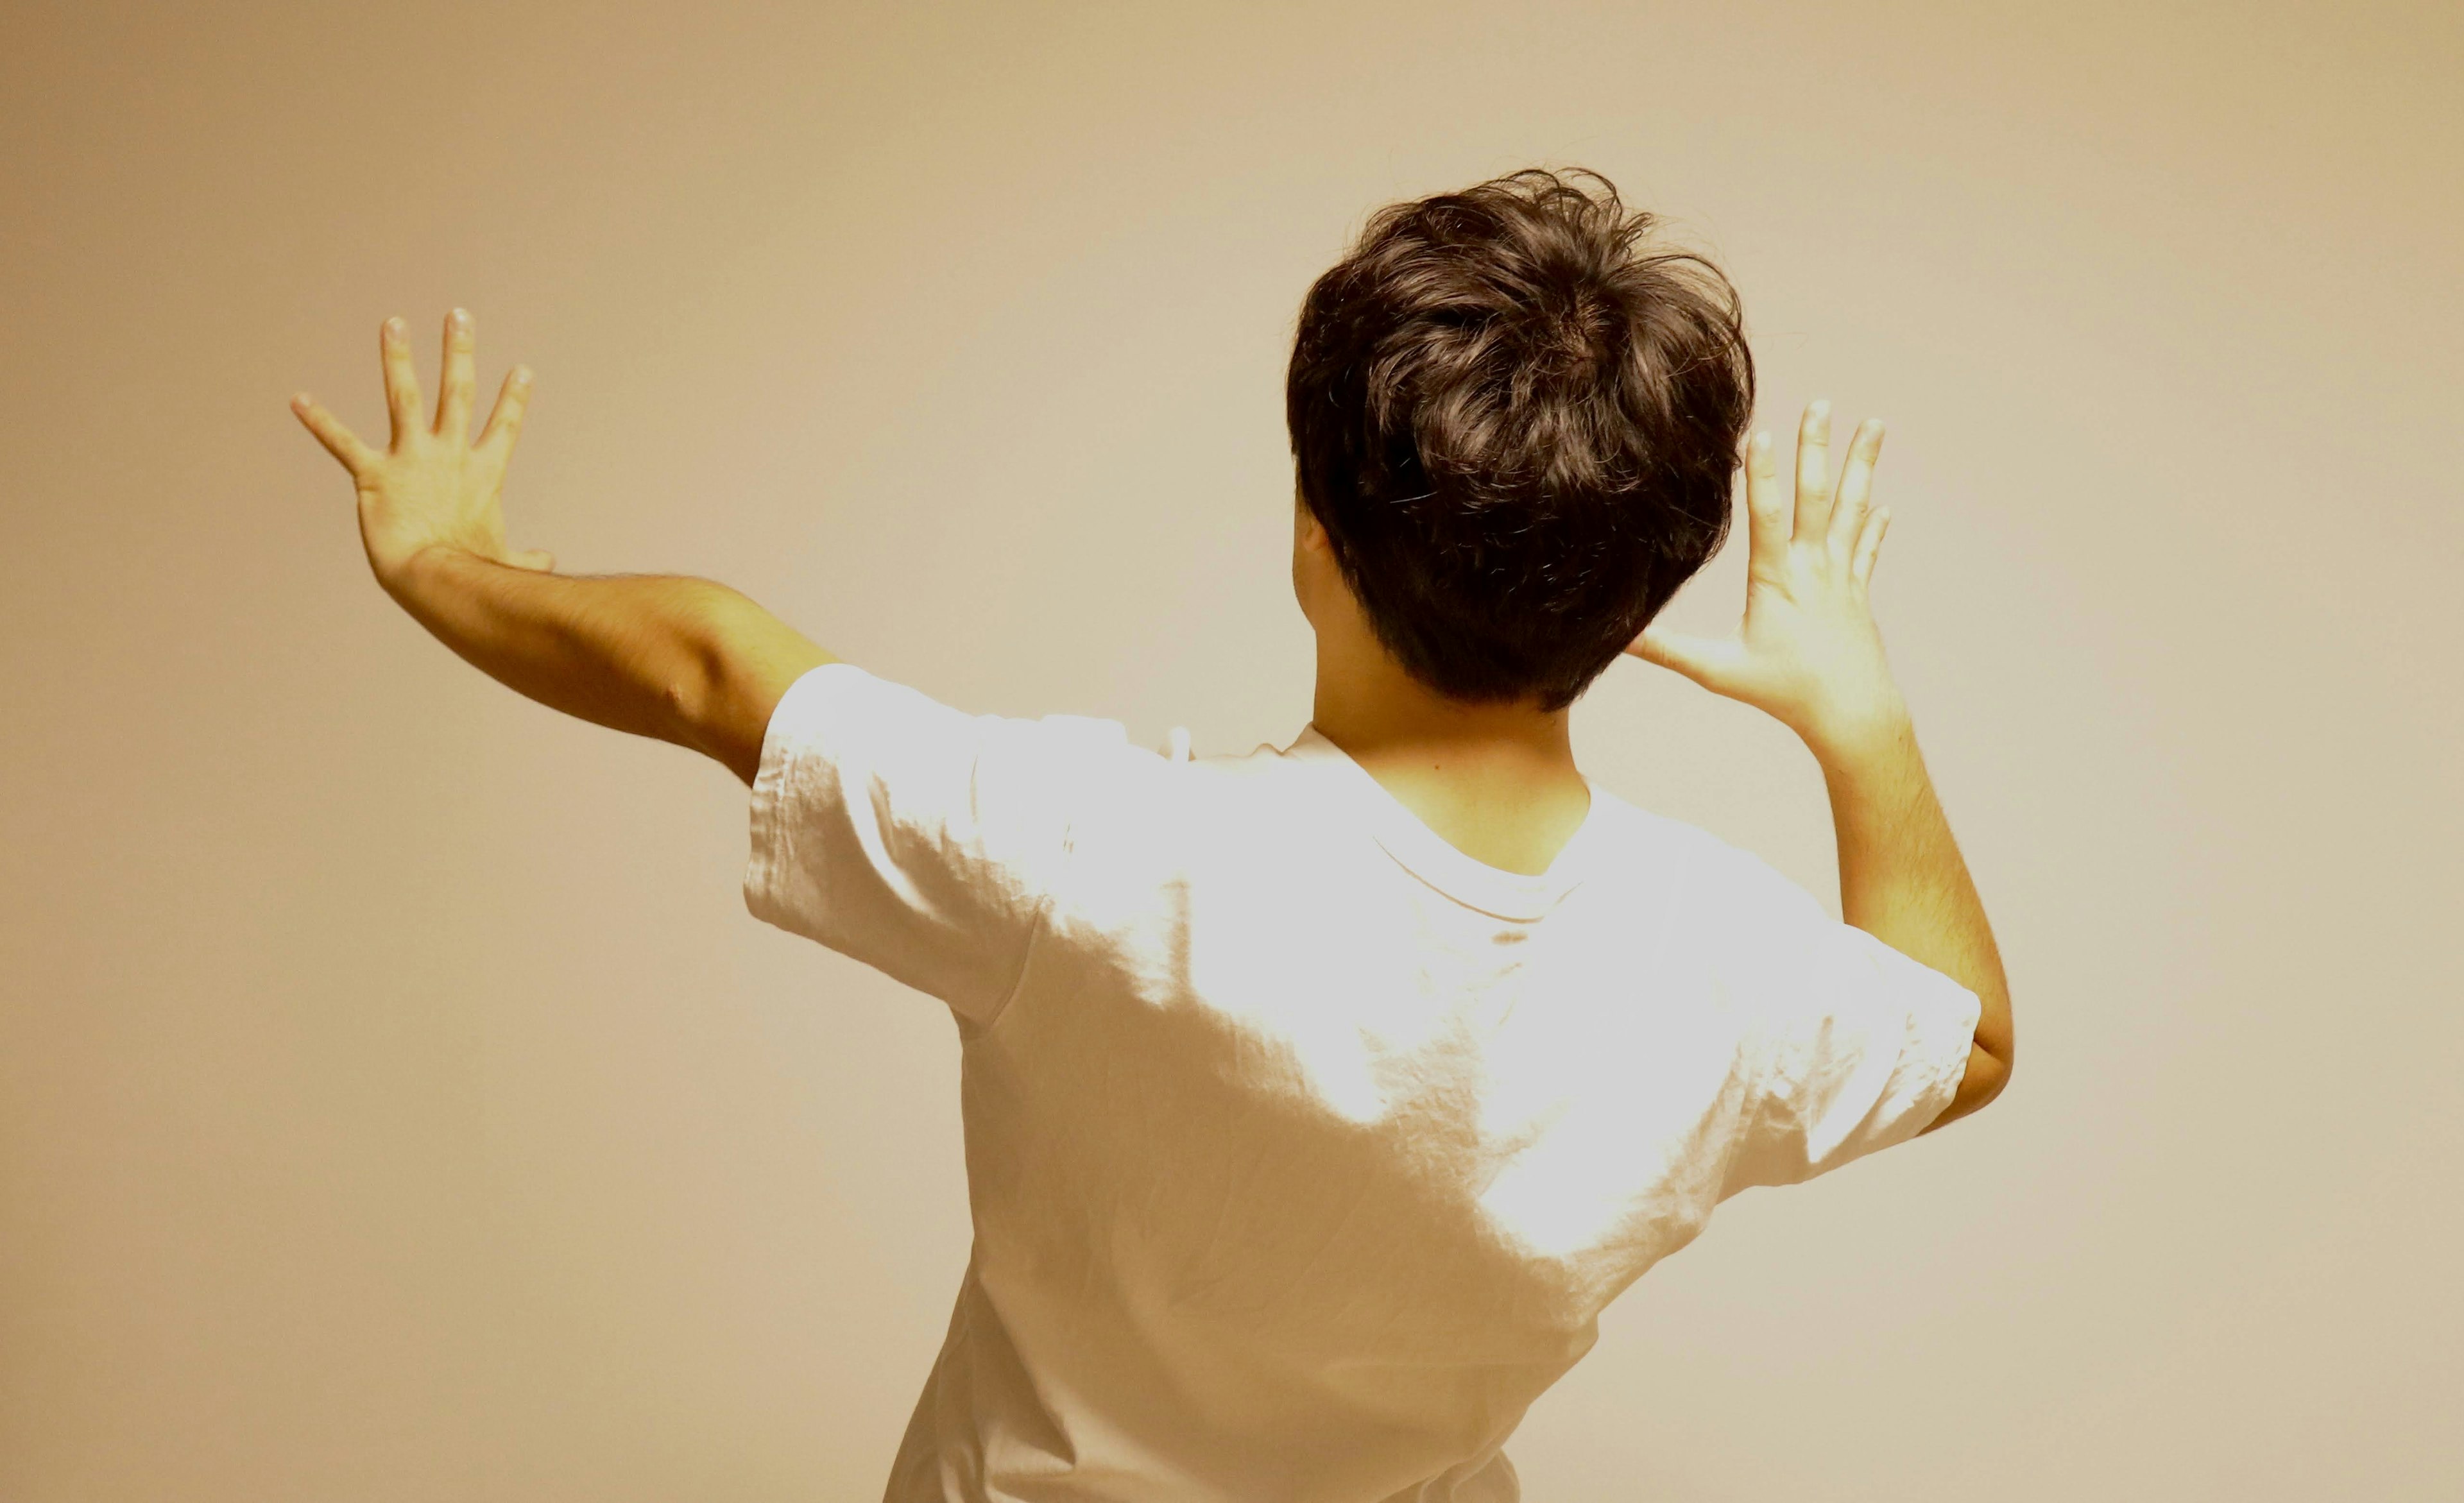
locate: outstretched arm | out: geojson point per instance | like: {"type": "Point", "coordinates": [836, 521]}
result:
{"type": "Point", "coordinates": [671, 657]}
{"type": "Point", "coordinates": [1808, 654]}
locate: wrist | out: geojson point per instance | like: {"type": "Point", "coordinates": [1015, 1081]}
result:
{"type": "Point", "coordinates": [1844, 741]}
{"type": "Point", "coordinates": [424, 570]}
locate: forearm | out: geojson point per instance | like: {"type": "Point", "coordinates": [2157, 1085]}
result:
{"type": "Point", "coordinates": [631, 652]}
{"type": "Point", "coordinates": [1901, 878]}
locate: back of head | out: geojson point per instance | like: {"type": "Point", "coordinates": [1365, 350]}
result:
{"type": "Point", "coordinates": [1518, 420]}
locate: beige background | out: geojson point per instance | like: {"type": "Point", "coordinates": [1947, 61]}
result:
{"type": "Point", "coordinates": [396, 1102]}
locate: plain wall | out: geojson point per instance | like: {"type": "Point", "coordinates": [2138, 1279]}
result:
{"type": "Point", "coordinates": [396, 1102]}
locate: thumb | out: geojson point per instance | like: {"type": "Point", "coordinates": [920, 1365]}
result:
{"type": "Point", "coordinates": [538, 558]}
{"type": "Point", "coordinates": [1708, 661]}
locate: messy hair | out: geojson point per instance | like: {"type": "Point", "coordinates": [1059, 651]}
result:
{"type": "Point", "coordinates": [1517, 418]}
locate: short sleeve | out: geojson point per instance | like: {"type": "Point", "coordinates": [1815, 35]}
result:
{"type": "Point", "coordinates": [1848, 1047]}
{"type": "Point", "coordinates": [918, 839]}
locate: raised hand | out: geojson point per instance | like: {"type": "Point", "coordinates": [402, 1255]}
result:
{"type": "Point", "coordinates": [432, 487]}
{"type": "Point", "coordinates": [1807, 652]}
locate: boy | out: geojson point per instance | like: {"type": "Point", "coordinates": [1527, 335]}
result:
{"type": "Point", "coordinates": [1318, 1100]}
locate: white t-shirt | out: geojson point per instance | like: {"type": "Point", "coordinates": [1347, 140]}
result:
{"type": "Point", "coordinates": [1304, 1150]}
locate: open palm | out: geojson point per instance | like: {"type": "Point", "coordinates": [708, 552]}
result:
{"type": "Point", "coordinates": [432, 486]}
{"type": "Point", "coordinates": [1808, 652]}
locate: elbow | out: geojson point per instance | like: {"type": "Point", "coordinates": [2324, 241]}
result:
{"type": "Point", "coordinates": [1995, 1077]}
{"type": "Point", "coordinates": [1999, 1047]}
{"type": "Point", "coordinates": [1993, 1032]}
{"type": "Point", "coordinates": [1985, 1077]}
{"type": "Point", "coordinates": [1988, 1065]}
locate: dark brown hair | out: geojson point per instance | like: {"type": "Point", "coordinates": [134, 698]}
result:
{"type": "Point", "coordinates": [1518, 421]}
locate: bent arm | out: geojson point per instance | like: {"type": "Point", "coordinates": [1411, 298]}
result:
{"type": "Point", "coordinates": [1808, 654]}
{"type": "Point", "coordinates": [1902, 881]}
{"type": "Point", "coordinates": [671, 657]}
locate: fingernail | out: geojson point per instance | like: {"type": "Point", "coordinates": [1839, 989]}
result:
{"type": "Point", "coordinates": [1762, 439]}
{"type": "Point", "coordinates": [1821, 406]}
{"type": "Point", "coordinates": [462, 317]}
{"type": "Point", "coordinates": [394, 325]}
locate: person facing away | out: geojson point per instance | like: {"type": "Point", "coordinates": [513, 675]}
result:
{"type": "Point", "coordinates": [1317, 1098]}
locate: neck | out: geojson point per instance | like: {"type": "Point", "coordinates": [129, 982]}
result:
{"type": "Point", "coordinates": [1496, 781]}
{"type": "Point", "coordinates": [1380, 714]}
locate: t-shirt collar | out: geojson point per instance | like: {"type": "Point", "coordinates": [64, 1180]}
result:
{"type": "Point", "coordinates": [1427, 855]}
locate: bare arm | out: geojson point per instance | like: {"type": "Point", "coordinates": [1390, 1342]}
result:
{"type": "Point", "coordinates": [675, 658]}
{"type": "Point", "coordinates": [1902, 881]}
{"type": "Point", "coordinates": [1808, 654]}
